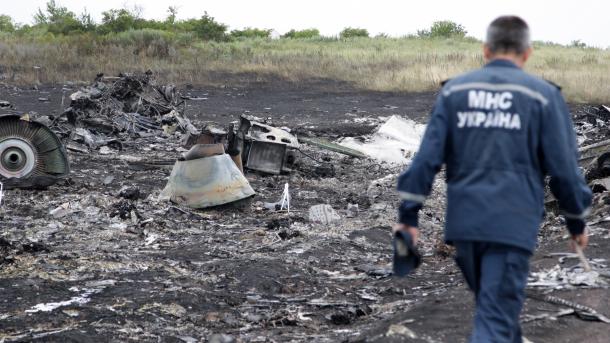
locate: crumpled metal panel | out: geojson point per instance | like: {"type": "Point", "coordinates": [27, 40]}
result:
{"type": "Point", "coordinates": [262, 132]}
{"type": "Point", "coordinates": [207, 182]}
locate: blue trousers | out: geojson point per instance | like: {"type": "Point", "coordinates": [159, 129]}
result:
{"type": "Point", "coordinates": [497, 274]}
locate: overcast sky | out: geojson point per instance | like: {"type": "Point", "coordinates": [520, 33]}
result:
{"type": "Point", "coordinates": [560, 21]}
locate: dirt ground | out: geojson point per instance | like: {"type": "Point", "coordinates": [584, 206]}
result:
{"type": "Point", "coordinates": [132, 268]}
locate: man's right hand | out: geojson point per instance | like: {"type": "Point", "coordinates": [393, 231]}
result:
{"type": "Point", "coordinates": [413, 231]}
{"type": "Point", "coordinates": [581, 240]}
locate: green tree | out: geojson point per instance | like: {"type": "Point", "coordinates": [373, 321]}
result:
{"type": "Point", "coordinates": [117, 20]}
{"type": "Point", "coordinates": [206, 28]}
{"type": "Point", "coordinates": [172, 13]}
{"type": "Point", "coordinates": [58, 19]}
{"type": "Point", "coordinates": [307, 33]}
{"type": "Point", "coordinates": [350, 32]}
{"type": "Point", "coordinates": [6, 23]}
{"type": "Point", "coordinates": [443, 29]}
{"type": "Point", "coordinates": [87, 22]}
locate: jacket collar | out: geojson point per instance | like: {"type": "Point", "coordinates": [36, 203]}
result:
{"type": "Point", "coordinates": [501, 63]}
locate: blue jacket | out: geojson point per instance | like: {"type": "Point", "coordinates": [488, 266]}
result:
{"type": "Point", "coordinates": [499, 131]}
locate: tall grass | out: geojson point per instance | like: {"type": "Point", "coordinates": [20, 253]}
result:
{"type": "Point", "coordinates": [384, 64]}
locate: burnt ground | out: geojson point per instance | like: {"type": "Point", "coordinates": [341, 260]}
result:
{"type": "Point", "coordinates": [132, 268]}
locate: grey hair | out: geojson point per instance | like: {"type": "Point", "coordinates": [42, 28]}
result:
{"type": "Point", "coordinates": [508, 34]}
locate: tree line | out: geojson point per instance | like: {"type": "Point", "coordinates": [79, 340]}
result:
{"type": "Point", "coordinates": [58, 20]}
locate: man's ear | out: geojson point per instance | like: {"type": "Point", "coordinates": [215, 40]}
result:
{"type": "Point", "coordinates": [487, 54]}
{"type": "Point", "coordinates": [527, 54]}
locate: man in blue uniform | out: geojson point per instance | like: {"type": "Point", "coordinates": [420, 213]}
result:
{"type": "Point", "coordinates": [499, 131]}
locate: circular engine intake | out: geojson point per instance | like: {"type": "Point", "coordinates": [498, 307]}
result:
{"type": "Point", "coordinates": [30, 151]}
{"type": "Point", "coordinates": [17, 158]}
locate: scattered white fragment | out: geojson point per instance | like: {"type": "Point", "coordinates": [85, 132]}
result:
{"type": "Point", "coordinates": [303, 316]}
{"type": "Point", "coordinates": [60, 211]}
{"type": "Point", "coordinates": [174, 309]}
{"type": "Point", "coordinates": [368, 296]}
{"type": "Point", "coordinates": [394, 142]}
{"type": "Point", "coordinates": [1, 193]}
{"type": "Point", "coordinates": [71, 313]}
{"type": "Point", "coordinates": [563, 278]}
{"type": "Point", "coordinates": [400, 330]}
{"type": "Point", "coordinates": [77, 300]}
{"type": "Point", "coordinates": [106, 150]}
{"type": "Point", "coordinates": [323, 214]}
{"type": "Point", "coordinates": [118, 226]}
{"type": "Point", "coordinates": [100, 283]}
{"type": "Point", "coordinates": [285, 199]}
{"type": "Point", "coordinates": [150, 239]}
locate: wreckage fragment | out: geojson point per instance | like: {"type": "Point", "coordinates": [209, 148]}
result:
{"type": "Point", "coordinates": [5, 104]}
{"type": "Point", "coordinates": [330, 146]}
{"type": "Point", "coordinates": [204, 150]}
{"type": "Point", "coordinates": [603, 163]}
{"type": "Point", "coordinates": [265, 148]}
{"type": "Point", "coordinates": [594, 150]}
{"type": "Point", "coordinates": [265, 133]}
{"type": "Point", "coordinates": [396, 141]}
{"type": "Point", "coordinates": [266, 157]}
{"type": "Point", "coordinates": [596, 158]}
{"type": "Point", "coordinates": [583, 312]}
{"type": "Point", "coordinates": [601, 185]}
{"type": "Point", "coordinates": [323, 214]}
{"type": "Point", "coordinates": [211, 133]}
{"type": "Point", "coordinates": [31, 155]}
{"type": "Point", "coordinates": [207, 182]}
{"type": "Point", "coordinates": [133, 104]}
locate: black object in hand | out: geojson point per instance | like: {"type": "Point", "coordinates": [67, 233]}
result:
{"type": "Point", "coordinates": [406, 256]}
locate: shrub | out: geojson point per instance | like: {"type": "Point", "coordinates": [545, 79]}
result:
{"type": "Point", "coordinates": [184, 38]}
{"type": "Point", "coordinates": [578, 44]}
{"type": "Point", "coordinates": [540, 44]}
{"type": "Point", "coordinates": [307, 33]}
{"type": "Point", "coordinates": [350, 32]}
{"type": "Point", "coordinates": [150, 42]}
{"type": "Point", "coordinates": [249, 32]}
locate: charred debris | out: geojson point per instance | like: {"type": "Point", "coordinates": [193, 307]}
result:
{"type": "Point", "coordinates": [113, 112]}
{"type": "Point", "coordinates": [249, 266]}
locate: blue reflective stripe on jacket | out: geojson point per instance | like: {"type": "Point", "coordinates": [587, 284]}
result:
{"type": "Point", "coordinates": [499, 131]}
